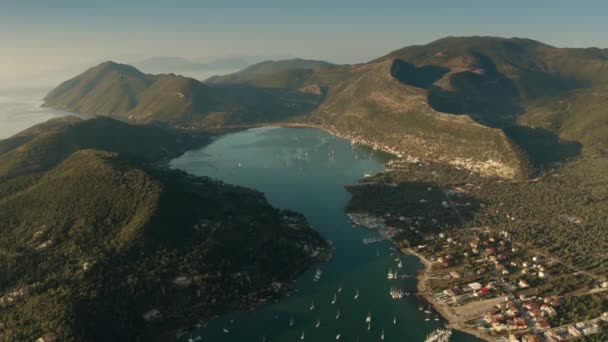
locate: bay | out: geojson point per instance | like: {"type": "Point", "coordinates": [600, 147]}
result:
{"type": "Point", "coordinates": [305, 170]}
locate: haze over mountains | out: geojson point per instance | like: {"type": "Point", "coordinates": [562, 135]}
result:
{"type": "Point", "coordinates": [494, 105]}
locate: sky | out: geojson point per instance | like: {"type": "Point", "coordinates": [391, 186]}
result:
{"type": "Point", "coordinates": [40, 37]}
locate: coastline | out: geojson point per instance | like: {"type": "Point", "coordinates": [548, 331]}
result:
{"type": "Point", "coordinates": [445, 312]}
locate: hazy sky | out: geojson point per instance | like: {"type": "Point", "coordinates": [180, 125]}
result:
{"type": "Point", "coordinates": [41, 36]}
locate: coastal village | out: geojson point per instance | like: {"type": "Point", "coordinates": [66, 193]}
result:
{"type": "Point", "coordinates": [485, 283]}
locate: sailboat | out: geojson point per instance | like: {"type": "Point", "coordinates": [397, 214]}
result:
{"type": "Point", "coordinates": [338, 337]}
{"type": "Point", "coordinates": [291, 321]}
{"type": "Point", "coordinates": [428, 311]}
{"type": "Point", "coordinates": [369, 326]}
{"type": "Point", "coordinates": [226, 330]}
{"type": "Point", "coordinates": [333, 301]}
{"type": "Point", "coordinates": [420, 308]}
{"type": "Point", "coordinates": [382, 335]}
{"type": "Point", "coordinates": [338, 314]}
{"type": "Point", "coordinates": [357, 294]}
{"type": "Point", "coordinates": [368, 319]}
{"type": "Point", "coordinates": [312, 305]}
{"type": "Point", "coordinates": [428, 317]}
{"type": "Point", "coordinates": [318, 323]}
{"type": "Point", "coordinates": [339, 288]}
{"type": "Point", "coordinates": [400, 264]}
{"type": "Point", "coordinates": [302, 336]}
{"type": "Point", "coordinates": [436, 318]}
{"type": "Point", "coordinates": [394, 319]}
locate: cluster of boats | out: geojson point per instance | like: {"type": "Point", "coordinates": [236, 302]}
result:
{"type": "Point", "coordinates": [439, 335]}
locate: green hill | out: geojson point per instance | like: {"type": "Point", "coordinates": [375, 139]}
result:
{"type": "Point", "coordinates": [44, 146]}
{"type": "Point", "coordinates": [287, 73]}
{"type": "Point", "coordinates": [91, 240]}
{"type": "Point", "coordinates": [121, 91]}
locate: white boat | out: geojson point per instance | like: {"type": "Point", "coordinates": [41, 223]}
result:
{"type": "Point", "coordinates": [382, 335]}
{"type": "Point", "coordinates": [338, 314]}
{"type": "Point", "coordinates": [439, 335]}
{"type": "Point", "coordinates": [338, 337]}
{"type": "Point", "coordinates": [428, 311]}
{"type": "Point", "coordinates": [291, 322]}
{"type": "Point", "coordinates": [333, 301]}
{"type": "Point", "coordinates": [226, 330]}
{"type": "Point", "coordinates": [390, 274]}
{"type": "Point", "coordinates": [357, 294]}
{"type": "Point", "coordinates": [394, 319]}
{"type": "Point", "coordinates": [436, 318]}
{"type": "Point", "coordinates": [302, 336]}
{"type": "Point", "coordinates": [368, 319]}
{"type": "Point", "coordinates": [318, 274]}
{"type": "Point", "coordinates": [369, 326]}
{"type": "Point", "coordinates": [400, 264]}
{"type": "Point", "coordinates": [318, 323]}
{"type": "Point", "coordinates": [312, 305]}
{"type": "Point", "coordinates": [339, 288]}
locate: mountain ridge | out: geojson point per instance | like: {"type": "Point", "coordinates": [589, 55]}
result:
{"type": "Point", "coordinates": [416, 100]}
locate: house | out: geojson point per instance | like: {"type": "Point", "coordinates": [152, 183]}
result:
{"type": "Point", "coordinates": [549, 310]}
{"type": "Point", "coordinates": [483, 291]}
{"type": "Point", "coordinates": [475, 286]}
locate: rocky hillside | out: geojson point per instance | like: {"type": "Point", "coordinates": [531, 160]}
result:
{"type": "Point", "coordinates": [93, 240]}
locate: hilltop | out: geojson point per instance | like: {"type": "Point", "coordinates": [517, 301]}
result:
{"type": "Point", "coordinates": [121, 91]}
{"type": "Point", "coordinates": [480, 103]}
{"type": "Point", "coordinates": [95, 234]}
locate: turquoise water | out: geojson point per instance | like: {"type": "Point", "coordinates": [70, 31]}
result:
{"type": "Point", "coordinates": [305, 170]}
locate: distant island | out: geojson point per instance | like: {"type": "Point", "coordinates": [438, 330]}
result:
{"type": "Point", "coordinates": [499, 185]}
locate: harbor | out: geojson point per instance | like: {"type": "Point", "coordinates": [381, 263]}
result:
{"type": "Point", "coordinates": [367, 292]}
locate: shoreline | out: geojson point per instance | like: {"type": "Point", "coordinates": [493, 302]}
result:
{"type": "Point", "coordinates": [445, 312]}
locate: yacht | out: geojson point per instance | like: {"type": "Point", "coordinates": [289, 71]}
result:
{"type": "Point", "coordinates": [318, 274]}
{"type": "Point", "coordinates": [400, 264]}
{"type": "Point", "coordinates": [390, 274]}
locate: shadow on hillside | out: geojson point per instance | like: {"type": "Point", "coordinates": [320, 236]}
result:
{"type": "Point", "coordinates": [491, 99]}
{"type": "Point", "coordinates": [542, 146]}
{"type": "Point", "coordinates": [421, 77]}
